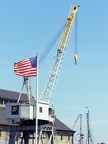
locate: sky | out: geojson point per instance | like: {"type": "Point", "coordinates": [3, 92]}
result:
{"type": "Point", "coordinates": [27, 27]}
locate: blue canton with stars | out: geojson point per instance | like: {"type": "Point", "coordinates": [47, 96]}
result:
{"type": "Point", "coordinates": [33, 61]}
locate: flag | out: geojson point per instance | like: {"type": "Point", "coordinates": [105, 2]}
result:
{"type": "Point", "coordinates": [26, 67]}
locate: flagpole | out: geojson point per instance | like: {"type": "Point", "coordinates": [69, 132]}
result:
{"type": "Point", "coordinates": [36, 128]}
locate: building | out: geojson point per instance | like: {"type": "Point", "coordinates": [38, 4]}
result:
{"type": "Point", "coordinates": [60, 133]}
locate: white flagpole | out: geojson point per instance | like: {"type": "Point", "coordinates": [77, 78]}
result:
{"type": "Point", "coordinates": [36, 128]}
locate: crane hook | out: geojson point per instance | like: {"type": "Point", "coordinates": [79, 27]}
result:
{"type": "Point", "coordinates": [75, 58]}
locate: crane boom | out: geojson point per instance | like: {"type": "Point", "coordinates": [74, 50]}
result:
{"type": "Point", "coordinates": [52, 78]}
{"type": "Point", "coordinates": [67, 32]}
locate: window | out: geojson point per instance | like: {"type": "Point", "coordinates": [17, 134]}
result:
{"type": "Point", "coordinates": [15, 110]}
{"type": "Point", "coordinates": [68, 138]}
{"type": "Point", "coordinates": [0, 133]}
{"type": "Point", "coordinates": [61, 137]}
{"type": "Point", "coordinates": [40, 109]}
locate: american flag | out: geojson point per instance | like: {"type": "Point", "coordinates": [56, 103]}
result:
{"type": "Point", "coordinates": [26, 67]}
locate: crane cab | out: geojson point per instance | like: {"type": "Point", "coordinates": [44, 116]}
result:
{"type": "Point", "coordinates": [17, 112]}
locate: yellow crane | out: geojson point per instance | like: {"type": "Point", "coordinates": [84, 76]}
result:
{"type": "Point", "coordinates": [54, 73]}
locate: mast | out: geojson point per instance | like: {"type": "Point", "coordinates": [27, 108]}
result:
{"type": "Point", "coordinates": [88, 128]}
{"type": "Point", "coordinates": [80, 129]}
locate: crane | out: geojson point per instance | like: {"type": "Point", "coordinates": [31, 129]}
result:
{"type": "Point", "coordinates": [30, 107]}
{"type": "Point", "coordinates": [54, 73]}
{"type": "Point", "coordinates": [25, 114]}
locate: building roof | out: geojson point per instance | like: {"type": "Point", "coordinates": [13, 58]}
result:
{"type": "Point", "coordinates": [11, 95]}
{"type": "Point", "coordinates": [61, 126]}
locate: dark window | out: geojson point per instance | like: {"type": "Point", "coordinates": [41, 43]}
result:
{"type": "Point", "coordinates": [0, 133]}
{"type": "Point", "coordinates": [15, 110]}
{"type": "Point", "coordinates": [68, 138]}
{"type": "Point", "coordinates": [1, 102]}
{"type": "Point", "coordinates": [61, 137]}
{"type": "Point", "coordinates": [40, 109]}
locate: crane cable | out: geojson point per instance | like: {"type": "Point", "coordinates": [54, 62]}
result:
{"type": "Point", "coordinates": [76, 121]}
{"type": "Point", "coordinates": [76, 47]}
{"type": "Point", "coordinates": [51, 44]}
